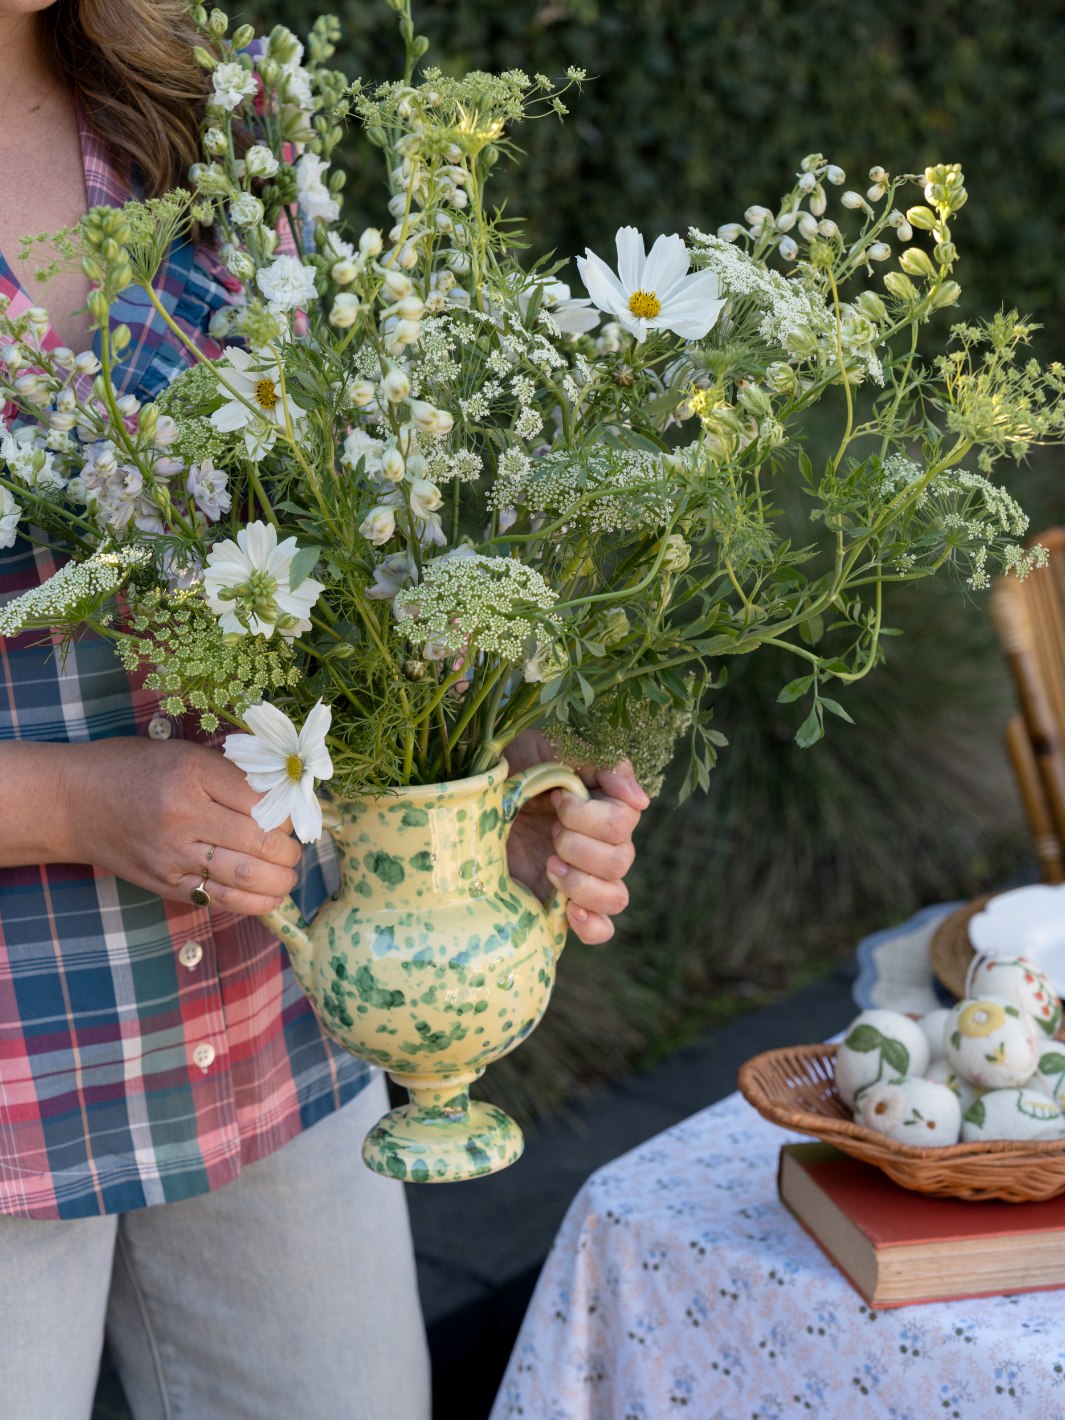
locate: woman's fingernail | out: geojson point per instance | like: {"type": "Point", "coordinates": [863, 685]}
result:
{"type": "Point", "coordinates": [556, 868]}
{"type": "Point", "coordinates": [580, 913]}
{"type": "Point", "coordinates": [556, 798]}
{"type": "Point", "coordinates": [638, 792]}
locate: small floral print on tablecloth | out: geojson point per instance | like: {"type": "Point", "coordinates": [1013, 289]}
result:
{"type": "Point", "coordinates": [679, 1285]}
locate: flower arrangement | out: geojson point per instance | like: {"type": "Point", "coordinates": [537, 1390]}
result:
{"type": "Point", "coordinates": [428, 498]}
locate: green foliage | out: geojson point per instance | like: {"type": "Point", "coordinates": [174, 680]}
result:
{"type": "Point", "coordinates": [696, 110]}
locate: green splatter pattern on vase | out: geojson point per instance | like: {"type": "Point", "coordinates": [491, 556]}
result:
{"type": "Point", "coordinates": [431, 961]}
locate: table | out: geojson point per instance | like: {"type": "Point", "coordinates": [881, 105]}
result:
{"type": "Point", "coordinates": [679, 1285]}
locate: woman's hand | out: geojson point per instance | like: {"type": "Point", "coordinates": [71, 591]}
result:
{"type": "Point", "coordinates": [583, 847]}
{"type": "Point", "coordinates": [148, 811]}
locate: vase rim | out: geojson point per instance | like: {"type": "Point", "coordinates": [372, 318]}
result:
{"type": "Point", "coordinates": [472, 785]}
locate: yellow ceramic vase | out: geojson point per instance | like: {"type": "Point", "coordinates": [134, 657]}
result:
{"type": "Point", "coordinates": [431, 961]}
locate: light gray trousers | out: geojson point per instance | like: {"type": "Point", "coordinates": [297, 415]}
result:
{"type": "Point", "coordinates": [290, 1294]}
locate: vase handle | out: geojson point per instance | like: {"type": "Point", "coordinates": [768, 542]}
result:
{"type": "Point", "coordinates": [286, 921]}
{"type": "Point", "coordinates": [522, 787]}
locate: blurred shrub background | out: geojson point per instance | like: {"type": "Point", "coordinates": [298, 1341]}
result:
{"type": "Point", "coordinates": [694, 111]}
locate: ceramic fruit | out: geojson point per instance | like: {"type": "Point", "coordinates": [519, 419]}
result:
{"type": "Point", "coordinates": [992, 1043]}
{"type": "Point", "coordinates": [934, 1026]}
{"type": "Point", "coordinates": [1012, 1114]}
{"type": "Point", "coordinates": [942, 1073]}
{"type": "Point", "coordinates": [1018, 981]}
{"type": "Point", "coordinates": [431, 961]}
{"type": "Point", "coordinates": [879, 1045]}
{"type": "Point", "coordinates": [913, 1111]}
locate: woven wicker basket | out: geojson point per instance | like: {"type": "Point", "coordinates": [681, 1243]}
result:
{"type": "Point", "coordinates": [796, 1089]}
{"type": "Point", "coordinates": [951, 951]}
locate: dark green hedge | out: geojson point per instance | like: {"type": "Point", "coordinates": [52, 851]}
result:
{"type": "Point", "coordinates": [699, 109]}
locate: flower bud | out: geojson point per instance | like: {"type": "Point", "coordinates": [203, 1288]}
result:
{"type": "Point", "coordinates": [876, 192]}
{"type": "Point", "coordinates": [916, 262]}
{"type": "Point", "coordinates": [901, 287]}
{"type": "Point", "coordinates": [259, 162]}
{"type": "Point", "coordinates": [444, 225]}
{"type": "Point", "coordinates": [397, 205]}
{"type": "Point", "coordinates": [786, 220]}
{"type": "Point", "coordinates": [802, 340]}
{"type": "Point", "coordinates": [12, 357]}
{"type": "Point", "coordinates": [423, 415]}
{"type": "Point", "coordinates": [406, 332]}
{"type": "Point", "coordinates": [782, 377]}
{"type": "Point", "coordinates": [407, 256]}
{"type": "Point", "coordinates": [828, 228]}
{"type": "Point", "coordinates": [243, 36]}
{"type": "Point", "coordinates": [411, 308]}
{"type": "Point", "coordinates": [807, 226]}
{"type": "Point", "coordinates": [63, 357]}
{"type": "Point", "coordinates": [214, 142]}
{"type": "Point", "coordinates": [757, 216]}
{"type": "Point", "coordinates": [397, 286]}
{"type": "Point", "coordinates": [921, 217]}
{"type": "Point", "coordinates": [877, 175]}
{"type": "Point", "coordinates": [362, 393]}
{"type": "Point", "coordinates": [240, 265]}
{"type": "Point", "coordinates": [756, 402]}
{"type": "Point", "coordinates": [395, 385]}
{"type": "Point", "coordinates": [204, 58]}
{"type": "Point", "coordinates": [458, 262]}
{"type": "Point", "coordinates": [879, 251]}
{"type": "Point", "coordinates": [904, 232]}
{"type": "Point", "coordinates": [166, 431]}
{"type": "Point", "coordinates": [62, 422]}
{"type": "Point", "coordinates": [835, 175]}
{"type": "Point", "coordinates": [86, 363]}
{"type": "Point", "coordinates": [218, 23]}
{"type": "Point", "coordinates": [128, 405]}
{"type": "Point", "coordinates": [872, 307]}
{"type": "Point", "coordinates": [818, 201]}
{"type": "Point", "coordinates": [392, 465]}
{"type": "Point", "coordinates": [807, 182]}
{"type": "Point", "coordinates": [345, 310]}
{"type": "Point", "coordinates": [370, 242]}
{"type": "Point", "coordinates": [378, 526]}
{"type": "Point", "coordinates": [343, 272]}
{"type": "Point", "coordinates": [947, 294]}
{"type": "Point", "coordinates": [945, 253]}
{"type": "Point", "coordinates": [26, 385]}
{"type": "Point", "coordinates": [788, 248]}
{"type": "Point", "coordinates": [852, 199]}
{"type": "Point", "coordinates": [730, 232]}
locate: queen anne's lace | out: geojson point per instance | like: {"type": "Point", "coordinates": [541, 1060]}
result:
{"type": "Point", "coordinates": [73, 593]}
{"type": "Point", "coordinates": [621, 488]}
{"type": "Point", "coordinates": [477, 604]}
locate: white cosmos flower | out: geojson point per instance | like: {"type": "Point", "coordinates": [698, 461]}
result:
{"type": "Point", "coordinates": [259, 384]}
{"type": "Point", "coordinates": [287, 284]}
{"type": "Point", "coordinates": [282, 765]}
{"type": "Point", "coordinates": [10, 512]}
{"type": "Point", "coordinates": [232, 85]}
{"type": "Point", "coordinates": [314, 197]}
{"type": "Point", "coordinates": [653, 292]}
{"type": "Point", "coordinates": [252, 577]}
{"type": "Point", "coordinates": [570, 313]}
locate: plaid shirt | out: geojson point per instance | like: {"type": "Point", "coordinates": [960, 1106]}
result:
{"type": "Point", "coordinates": [106, 1102]}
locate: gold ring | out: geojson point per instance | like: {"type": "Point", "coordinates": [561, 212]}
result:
{"type": "Point", "coordinates": [210, 855]}
{"type": "Point", "coordinates": [200, 896]}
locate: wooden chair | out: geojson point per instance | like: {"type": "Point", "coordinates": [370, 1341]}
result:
{"type": "Point", "coordinates": [1029, 618]}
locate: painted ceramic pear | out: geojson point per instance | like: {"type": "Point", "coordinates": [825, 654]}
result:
{"type": "Point", "coordinates": [431, 961]}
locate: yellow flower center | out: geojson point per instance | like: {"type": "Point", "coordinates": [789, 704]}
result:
{"type": "Point", "coordinates": [265, 394]}
{"type": "Point", "coordinates": [645, 305]}
{"type": "Point", "coordinates": [294, 768]}
{"type": "Point", "coordinates": [981, 1018]}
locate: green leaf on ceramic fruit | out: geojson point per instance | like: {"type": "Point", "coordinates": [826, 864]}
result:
{"type": "Point", "coordinates": [896, 1055]}
{"type": "Point", "coordinates": [1052, 1063]}
{"type": "Point", "coordinates": [976, 1114]}
{"type": "Point", "coordinates": [864, 1038]}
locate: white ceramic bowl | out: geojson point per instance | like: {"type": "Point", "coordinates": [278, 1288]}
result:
{"type": "Point", "coordinates": [1028, 922]}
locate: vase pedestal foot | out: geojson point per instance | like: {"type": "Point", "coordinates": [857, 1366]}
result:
{"type": "Point", "coordinates": [441, 1136]}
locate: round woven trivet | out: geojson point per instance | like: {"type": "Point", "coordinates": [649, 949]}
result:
{"type": "Point", "coordinates": [951, 951]}
{"type": "Point", "coordinates": [796, 1089]}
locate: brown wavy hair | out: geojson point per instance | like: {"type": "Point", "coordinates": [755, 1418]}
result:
{"type": "Point", "coordinates": [131, 64]}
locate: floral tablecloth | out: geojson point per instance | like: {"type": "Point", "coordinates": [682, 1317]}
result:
{"type": "Point", "coordinates": [679, 1285]}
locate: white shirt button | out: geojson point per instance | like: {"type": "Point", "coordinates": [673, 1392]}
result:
{"type": "Point", "coordinates": [159, 728]}
{"type": "Point", "coordinates": [190, 955]}
{"type": "Point", "coordinates": [203, 1055]}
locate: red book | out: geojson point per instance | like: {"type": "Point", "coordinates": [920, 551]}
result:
{"type": "Point", "coordinates": [896, 1247]}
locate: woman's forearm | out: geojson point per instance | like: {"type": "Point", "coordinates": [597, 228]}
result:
{"type": "Point", "coordinates": [35, 821]}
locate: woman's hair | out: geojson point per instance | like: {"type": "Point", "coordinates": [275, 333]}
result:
{"type": "Point", "coordinates": [142, 92]}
